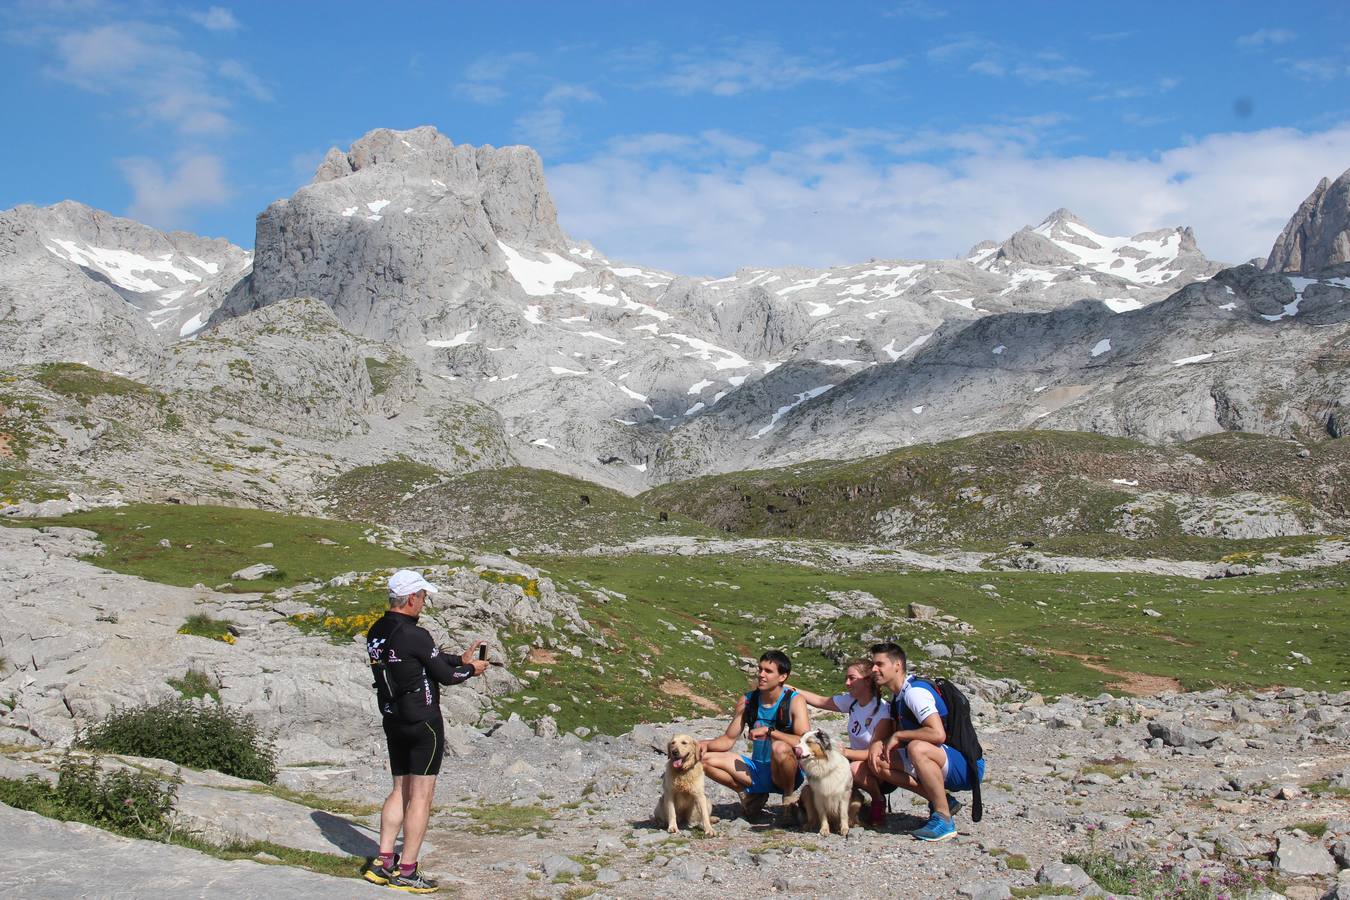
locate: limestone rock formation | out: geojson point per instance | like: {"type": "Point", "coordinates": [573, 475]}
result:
{"type": "Point", "coordinates": [1318, 235]}
{"type": "Point", "coordinates": [79, 285]}
{"type": "Point", "coordinates": [288, 367]}
{"type": "Point", "coordinates": [402, 235]}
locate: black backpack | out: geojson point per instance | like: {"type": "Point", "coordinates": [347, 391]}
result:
{"type": "Point", "coordinates": [960, 735]}
{"type": "Point", "coordinates": [782, 717]}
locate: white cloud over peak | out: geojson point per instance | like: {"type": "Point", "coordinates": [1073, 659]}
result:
{"type": "Point", "coordinates": [149, 68]}
{"type": "Point", "coordinates": [861, 199]}
{"type": "Point", "coordinates": [163, 197]}
{"type": "Point", "coordinates": [545, 127]}
{"type": "Point", "coordinates": [485, 78]}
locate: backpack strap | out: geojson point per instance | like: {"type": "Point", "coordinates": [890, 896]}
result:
{"type": "Point", "coordinates": [782, 717]}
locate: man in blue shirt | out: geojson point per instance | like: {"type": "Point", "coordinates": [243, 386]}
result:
{"type": "Point", "coordinates": [771, 765]}
{"type": "Point", "coordinates": [912, 751]}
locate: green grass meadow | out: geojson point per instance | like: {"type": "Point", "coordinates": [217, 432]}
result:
{"type": "Point", "coordinates": [1038, 628]}
{"type": "Point", "coordinates": [679, 629]}
{"type": "Point", "coordinates": [208, 543]}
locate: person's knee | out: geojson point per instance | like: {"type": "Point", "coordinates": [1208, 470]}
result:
{"type": "Point", "coordinates": [926, 751]}
{"type": "Point", "coordinates": [783, 752]}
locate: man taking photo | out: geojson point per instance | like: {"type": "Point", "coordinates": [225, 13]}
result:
{"type": "Point", "coordinates": [409, 670]}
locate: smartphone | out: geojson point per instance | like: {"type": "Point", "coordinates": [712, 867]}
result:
{"type": "Point", "coordinates": [482, 651]}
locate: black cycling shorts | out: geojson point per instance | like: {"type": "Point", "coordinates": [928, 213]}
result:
{"type": "Point", "coordinates": [415, 748]}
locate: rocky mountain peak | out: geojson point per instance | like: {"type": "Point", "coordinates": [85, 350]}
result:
{"type": "Point", "coordinates": [403, 222]}
{"type": "Point", "coordinates": [1063, 242]}
{"type": "Point", "coordinates": [1061, 216]}
{"type": "Point", "coordinates": [1318, 235]}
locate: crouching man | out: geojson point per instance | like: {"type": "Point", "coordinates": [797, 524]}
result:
{"type": "Point", "coordinates": [776, 719]}
{"type": "Point", "coordinates": [409, 671]}
{"type": "Point", "coordinates": [911, 750]}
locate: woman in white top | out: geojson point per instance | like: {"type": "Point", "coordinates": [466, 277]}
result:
{"type": "Point", "coordinates": [866, 709]}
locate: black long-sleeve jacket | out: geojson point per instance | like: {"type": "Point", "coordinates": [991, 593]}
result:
{"type": "Point", "coordinates": [409, 669]}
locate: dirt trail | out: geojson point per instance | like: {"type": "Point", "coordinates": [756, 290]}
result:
{"type": "Point", "coordinates": [1136, 684]}
{"type": "Point", "coordinates": [680, 689]}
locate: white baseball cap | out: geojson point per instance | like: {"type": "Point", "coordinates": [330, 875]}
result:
{"type": "Point", "coordinates": [403, 582]}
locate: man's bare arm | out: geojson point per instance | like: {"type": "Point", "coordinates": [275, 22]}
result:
{"type": "Point", "coordinates": [931, 731]}
{"type": "Point", "coordinates": [728, 738]}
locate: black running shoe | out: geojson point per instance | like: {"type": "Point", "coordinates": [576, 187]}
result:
{"type": "Point", "coordinates": [378, 874]}
{"type": "Point", "coordinates": [416, 883]}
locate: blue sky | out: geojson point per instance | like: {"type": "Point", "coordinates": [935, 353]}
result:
{"type": "Point", "coordinates": [701, 137]}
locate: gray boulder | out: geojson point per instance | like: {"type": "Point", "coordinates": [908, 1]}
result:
{"type": "Point", "coordinates": [1174, 734]}
{"type": "Point", "coordinates": [1295, 855]}
{"type": "Point", "coordinates": [985, 890]}
{"type": "Point", "coordinates": [253, 572]}
{"type": "Point", "coordinates": [1062, 874]}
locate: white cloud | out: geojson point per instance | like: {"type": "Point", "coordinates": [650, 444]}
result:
{"type": "Point", "coordinates": [486, 94]}
{"type": "Point", "coordinates": [761, 66]}
{"type": "Point", "coordinates": [216, 18]}
{"type": "Point", "coordinates": [485, 77]}
{"type": "Point", "coordinates": [1036, 73]}
{"type": "Point", "coordinates": [796, 207]}
{"type": "Point", "coordinates": [148, 65]}
{"type": "Point", "coordinates": [916, 9]}
{"type": "Point", "coordinates": [240, 74]}
{"type": "Point", "coordinates": [961, 45]}
{"type": "Point", "coordinates": [545, 127]}
{"type": "Point", "coordinates": [1316, 69]}
{"type": "Point", "coordinates": [163, 198]}
{"type": "Point", "coordinates": [1264, 36]}
{"type": "Point", "coordinates": [997, 61]}
{"type": "Point", "coordinates": [565, 93]}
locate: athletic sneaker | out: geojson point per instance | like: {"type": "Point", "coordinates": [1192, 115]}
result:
{"type": "Point", "coordinates": [936, 829]}
{"type": "Point", "coordinates": [378, 874]}
{"type": "Point", "coordinates": [953, 806]}
{"type": "Point", "coordinates": [416, 883]}
{"type": "Point", "coordinates": [877, 813]}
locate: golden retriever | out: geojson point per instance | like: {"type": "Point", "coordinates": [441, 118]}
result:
{"type": "Point", "coordinates": [682, 787]}
{"type": "Point", "coordinates": [827, 798]}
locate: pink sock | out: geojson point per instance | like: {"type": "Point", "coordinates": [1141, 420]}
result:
{"type": "Point", "coordinates": [386, 859]}
{"type": "Point", "coordinates": [407, 869]}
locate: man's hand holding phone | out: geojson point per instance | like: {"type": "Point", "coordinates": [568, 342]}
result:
{"type": "Point", "coordinates": [476, 656]}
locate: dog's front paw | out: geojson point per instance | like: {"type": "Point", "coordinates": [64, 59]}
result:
{"type": "Point", "coordinates": [673, 829]}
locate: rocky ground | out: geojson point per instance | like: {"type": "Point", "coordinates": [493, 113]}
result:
{"type": "Point", "coordinates": [1217, 782]}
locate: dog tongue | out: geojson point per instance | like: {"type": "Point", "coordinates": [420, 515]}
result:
{"type": "Point", "coordinates": [677, 762]}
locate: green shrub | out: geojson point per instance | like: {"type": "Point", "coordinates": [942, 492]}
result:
{"type": "Point", "coordinates": [129, 802]}
{"type": "Point", "coordinates": [196, 684]}
{"type": "Point", "coordinates": [190, 734]}
{"type": "Point", "coordinates": [202, 625]}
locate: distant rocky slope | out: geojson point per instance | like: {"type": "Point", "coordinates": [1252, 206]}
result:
{"type": "Point", "coordinates": [1003, 487]}
{"type": "Point", "coordinates": [1241, 352]}
{"type": "Point", "coordinates": [450, 258]}
{"type": "Point", "coordinates": [79, 285]}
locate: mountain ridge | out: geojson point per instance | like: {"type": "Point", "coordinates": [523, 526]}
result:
{"type": "Point", "coordinates": [450, 258]}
